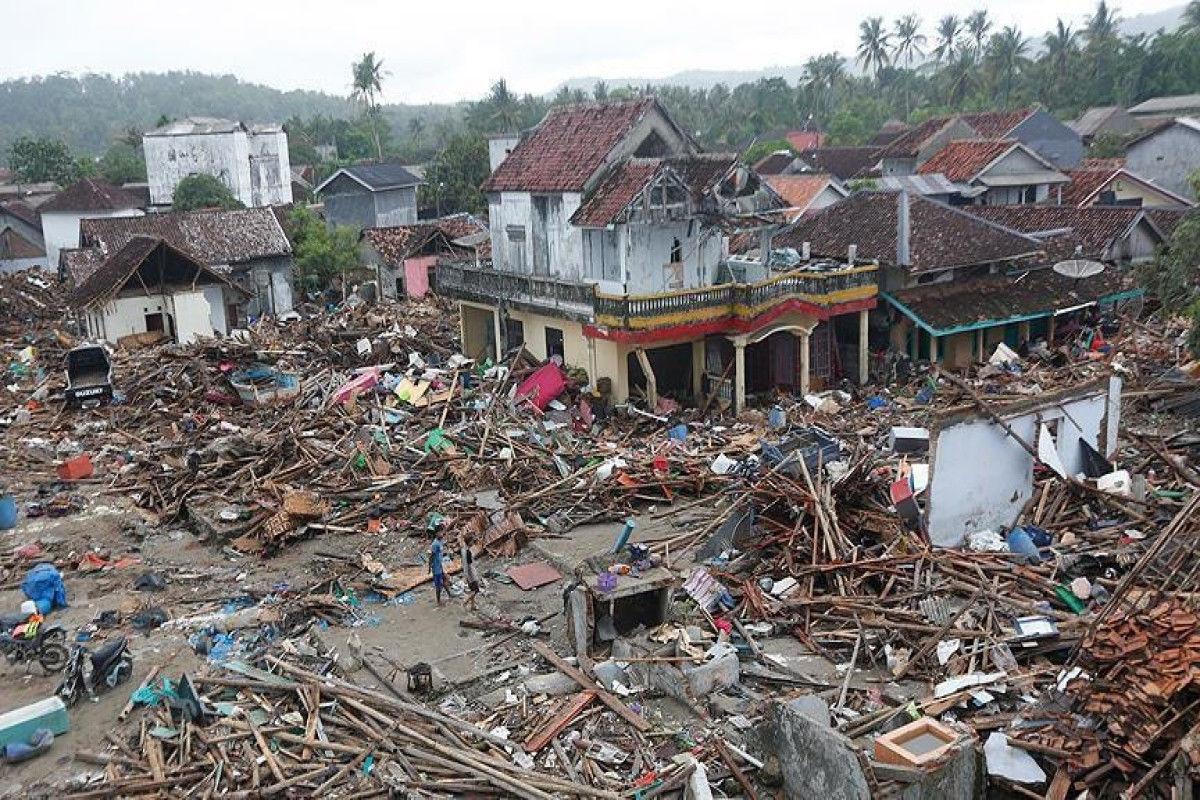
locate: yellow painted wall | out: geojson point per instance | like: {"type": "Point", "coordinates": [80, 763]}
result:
{"type": "Point", "coordinates": [957, 350]}
{"type": "Point", "coordinates": [475, 322]}
{"type": "Point", "coordinates": [1128, 190]}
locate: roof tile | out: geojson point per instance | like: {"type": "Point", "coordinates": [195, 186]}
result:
{"type": "Point", "coordinates": [216, 237]}
{"type": "Point", "coordinates": [90, 194]}
{"type": "Point", "coordinates": [963, 159]}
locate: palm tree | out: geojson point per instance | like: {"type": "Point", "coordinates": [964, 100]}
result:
{"type": "Point", "coordinates": [909, 42]}
{"type": "Point", "coordinates": [600, 91]}
{"type": "Point", "coordinates": [1101, 26]}
{"type": "Point", "coordinates": [1007, 51]}
{"type": "Point", "coordinates": [822, 75]}
{"type": "Point", "coordinates": [506, 111]}
{"type": "Point", "coordinates": [963, 76]}
{"type": "Point", "coordinates": [948, 29]}
{"type": "Point", "coordinates": [978, 25]}
{"type": "Point", "coordinates": [873, 42]}
{"type": "Point", "coordinates": [1060, 46]}
{"type": "Point", "coordinates": [416, 129]}
{"type": "Point", "coordinates": [367, 86]}
{"type": "Point", "coordinates": [1191, 17]}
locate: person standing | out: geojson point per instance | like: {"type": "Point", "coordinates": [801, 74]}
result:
{"type": "Point", "coordinates": [435, 565]}
{"type": "Point", "coordinates": [468, 568]}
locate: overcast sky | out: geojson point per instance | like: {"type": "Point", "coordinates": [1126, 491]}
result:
{"type": "Point", "coordinates": [445, 51]}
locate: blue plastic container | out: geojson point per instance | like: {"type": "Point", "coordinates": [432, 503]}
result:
{"type": "Point", "coordinates": [8, 512]}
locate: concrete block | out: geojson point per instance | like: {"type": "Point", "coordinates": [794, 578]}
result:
{"type": "Point", "coordinates": [722, 672]}
{"type": "Point", "coordinates": [551, 683]}
{"type": "Point", "coordinates": [958, 774]}
{"type": "Point", "coordinates": [813, 707]}
{"type": "Point", "coordinates": [816, 761]}
{"type": "Point", "coordinates": [607, 671]}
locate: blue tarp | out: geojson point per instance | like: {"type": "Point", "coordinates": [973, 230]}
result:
{"type": "Point", "coordinates": [44, 586]}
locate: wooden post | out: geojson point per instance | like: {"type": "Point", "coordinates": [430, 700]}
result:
{"type": "Point", "coordinates": [933, 349]}
{"type": "Point", "coordinates": [698, 370]}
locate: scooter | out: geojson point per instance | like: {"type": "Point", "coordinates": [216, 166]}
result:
{"type": "Point", "coordinates": [110, 666]}
{"type": "Point", "coordinates": [45, 647]}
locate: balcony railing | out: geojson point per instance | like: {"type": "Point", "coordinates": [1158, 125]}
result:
{"type": "Point", "coordinates": [741, 301]}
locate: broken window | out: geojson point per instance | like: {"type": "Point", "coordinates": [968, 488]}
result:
{"type": "Point", "coordinates": [601, 255]}
{"type": "Point", "coordinates": [554, 343]}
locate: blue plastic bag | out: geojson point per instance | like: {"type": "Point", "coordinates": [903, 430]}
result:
{"type": "Point", "coordinates": [44, 585]}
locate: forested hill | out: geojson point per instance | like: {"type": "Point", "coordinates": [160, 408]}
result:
{"type": "Point", "coordinates": [89, 111]}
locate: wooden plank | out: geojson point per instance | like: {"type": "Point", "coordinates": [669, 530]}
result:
{"type": "Point", "coordinates": [636, 720]}
{"type": "Point", "coordinates": [552, 728]}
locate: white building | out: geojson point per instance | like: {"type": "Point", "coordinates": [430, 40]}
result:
{"type": "Point", "coordinates": [149, 286]}
{"type": "Point", "coordinates": [87, 199]}
{"type": "Point", "coordinates": [252, 161]}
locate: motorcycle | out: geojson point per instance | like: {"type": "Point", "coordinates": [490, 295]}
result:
{"type": "Point", "coordinates": [46, 647]}
{"type": "Point", "coordinates": [105, 668]}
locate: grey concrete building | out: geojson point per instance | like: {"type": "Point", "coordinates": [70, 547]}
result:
{"type": "Point", "coordinates": [376, 196]}
{"type": "Point", "coordinates": [1167, 154]}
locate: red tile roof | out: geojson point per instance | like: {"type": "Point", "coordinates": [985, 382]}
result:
{"type": "Point", "coordinates": [1093, 228]}
{"type": "Point", "coordinates": [774, 163]}
{"type": "Point", "coordinates": [1167, 219]}
{"type": "Point", "coordinates": [843, 163]}
{"type": "Point", "coordinates": [798, 191]}
{"type": "Point", "coordinates": [804, 140]}
{"type": "Point", "coordinates": [994, 298]}
{"type": "Point", "coordinates": [1084, 183]}
{"type": "Point", "coordinates": [909, 143]}
{"type": "Point", "coordinates": [567, 148]}
{"type": "Point", "coordinates": [90, 194]}
{"type": "Point", "coordinates": [401, 242]}
{"type": "Point", "coordinates": [22, 211]}
{"type": "Point", "coordinates": [996, 124]}
{"type": "Point", "coordinates": [963, 159]}
{"type": "Point", "coordinates": [940, 237]}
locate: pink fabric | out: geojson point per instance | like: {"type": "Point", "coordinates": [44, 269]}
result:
{"type": "Point", "coordinates": [543, 386]}
{"type": "Point", "coordinates": [416, 275]}
{"type": "Point", "coordinates": [351, 389]}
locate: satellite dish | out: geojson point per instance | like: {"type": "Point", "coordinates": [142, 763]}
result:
{"type": "Point", "coordinates": [1078, 268]}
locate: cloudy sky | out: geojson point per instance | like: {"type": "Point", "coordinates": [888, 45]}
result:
{"type": "Point", "coordinates": [443, 51]}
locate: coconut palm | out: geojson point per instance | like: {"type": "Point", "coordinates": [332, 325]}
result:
{"type": "Point", "coordinates": [978, 26]}
{"type": "Point", "coordinates": [506, 110]}
{"type": "Point", "coordinates": [1006, 52]}
{"type": "Point", "coordinates": [822, 75]}
{"type": "Point", "coordinates": [367, 86]}
{"type": "Point", "coordinates": [873, 44]}
{"type": "Point", "coordinates": [1101, 26]}
{"type": "Point", "coordinates": [948, 29]}
{"type": "Point", "coordinates": [1060, 47]}
{"type": "Point", "coordinates": [909, 42]}
{"type": "Point", "coordinates": [416, 130]}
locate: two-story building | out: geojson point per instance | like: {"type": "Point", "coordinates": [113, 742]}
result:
{"type": "Point", "coordinates": [996, 172]}
{"type": "Point", "coordinates": [609, 249]}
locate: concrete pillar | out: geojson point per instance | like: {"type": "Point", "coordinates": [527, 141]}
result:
{"type": "Point", "coordinates": [805, 363]}
{"type": "Point", "coordinates": [1050, 334]}
{"type": "Point", "coordinates": [863, 352]}
{"type": "Point", "coordinates": [739, 375]}
{"type": "Point", "coordinates": [698, 370]}
{"type": "Point", "coordinates": [496, 331]}
{"type": "Point", "coordinates": [1023, 331]}
{"type": "Point", "coordinates": [980, 355]}
{"type": "Point", "coordinates": [914, 344]}
{"type": "Point", "coordinates": [933, 349]}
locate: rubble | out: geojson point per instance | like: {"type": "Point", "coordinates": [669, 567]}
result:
{"type": "Point", "coordinates": [1060, 633]}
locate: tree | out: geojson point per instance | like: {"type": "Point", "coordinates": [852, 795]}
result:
{"type": "Point", "coordinates": [873, 44]}
{"type": "Point", "coordinates": [600, 91]}
{"type": "Point", "coordinates": [1107, 145]}
{"type": "Point", "coordinates": [202, 191]}
{"type": "Point", "coordinates": [1006, 52]}
{"type": "Point", "coordinates": [909, 42]}
{"type": "Point", "coordinates": [948, 30]}
{"type": "Point", "coordinates": [1191, 17]}
{"type": "Point", "coordinates": [453, 179]}
{"type": "Point", "coordinates": [122, 164]}
{"type": "Point", "coordinates": [319, 253]}
{"type": "Point", "coordinates": [416, 130]}
{"type": "Point", "coordinates": [1060, 46]}
{"type": "Point", "coordinates": [505, 109]}
{"type": "Point", "coordinates": [1171, 276]}
{"type": "Point", "coordinates": [978, 27]}
{"type": "Point", "coordinates": [43, 160]}
{"type": "Point", "coordinates": [822, 76]}
{"type": "Point", "coordinates": [366, 87]}
{"type": "Point", "coordinates": [1101, 27]}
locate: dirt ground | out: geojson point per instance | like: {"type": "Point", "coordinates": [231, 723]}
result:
{"type": "Point", "coordinates": [200, 575]}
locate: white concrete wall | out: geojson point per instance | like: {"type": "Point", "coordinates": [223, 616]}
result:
{"type": "Point", "coordinates": [193, 315]}
{"type": "Point", "coordinates": [123, 316]}
{"type": "Point", "coordinates": [60, 229]}
{"type": "Point", "coordinates": [193, 312]}
{"type": "Point", "coordinates": [269, 171]}
{"type": "Point", "coordinates": [981, 477]}
{"type": "Point", "coordinates": [648, 251]}
{"type": "Point", "coordinates": [253, 166]}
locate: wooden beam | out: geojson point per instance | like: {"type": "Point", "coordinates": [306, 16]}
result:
{"type": "Point", "coordinates": [636, 720]}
